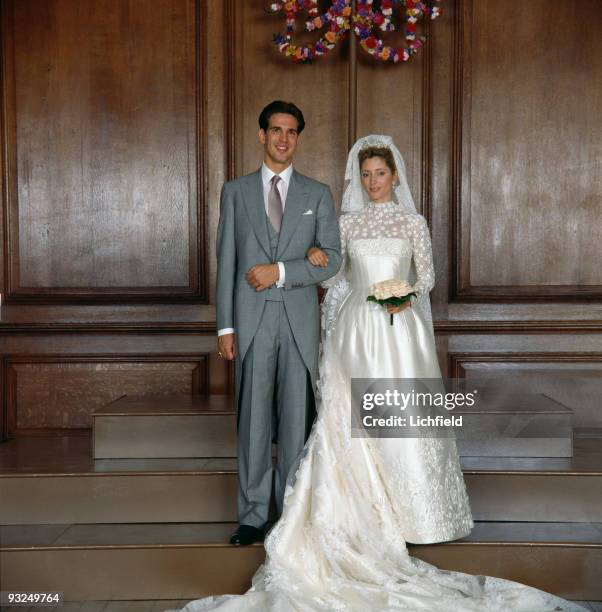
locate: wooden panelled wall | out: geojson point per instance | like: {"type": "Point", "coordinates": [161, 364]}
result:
{"type": "Point", "coordinates": [122, 118]}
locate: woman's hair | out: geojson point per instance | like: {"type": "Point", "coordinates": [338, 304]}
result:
{"type": "Point", "coordinates": [382, 152]}
{"type": "Point", "coordinates": [278, 106]}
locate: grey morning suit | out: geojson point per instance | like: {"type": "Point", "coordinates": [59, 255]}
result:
{"type": "Point", "coordinates": [277, 330]}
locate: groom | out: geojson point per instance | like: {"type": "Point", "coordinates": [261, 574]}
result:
{"type": "Point", "coordinates": [268, 316]}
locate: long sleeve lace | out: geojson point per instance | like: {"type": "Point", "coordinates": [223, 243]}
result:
{"type": "Point", "coordinates": [338, 285]}
{"type": "Point", "coordinates": [423, 255]}
{"type": "Point", "coordinates": [341, 275]}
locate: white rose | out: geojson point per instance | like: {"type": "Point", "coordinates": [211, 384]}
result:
{"type": "Point", "coordinates": [390, 288]}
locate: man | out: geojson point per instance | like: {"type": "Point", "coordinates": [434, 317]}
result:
{"type": "Point", "coordinates": [267, 309]}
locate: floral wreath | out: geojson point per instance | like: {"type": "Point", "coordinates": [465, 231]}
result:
{"type": "Point", "coordinates": [366, 18]}
{"type": "Point", "coordinates": [338, 20]}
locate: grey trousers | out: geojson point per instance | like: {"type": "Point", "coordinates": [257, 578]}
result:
{"type": "Point", "coordinates": [276, 401]}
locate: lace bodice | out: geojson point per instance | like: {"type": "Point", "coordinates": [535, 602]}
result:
{"type": "Point", "coordinates": [389, 231]}
{"type": "Point", "coordinates": [388, 224]}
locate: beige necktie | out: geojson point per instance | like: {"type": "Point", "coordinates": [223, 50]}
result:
{"type": "Point", "coordinates": [275, 204]}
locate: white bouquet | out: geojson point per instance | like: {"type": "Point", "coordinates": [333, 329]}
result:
{"type": "Point", "coordinates": [394, 292]}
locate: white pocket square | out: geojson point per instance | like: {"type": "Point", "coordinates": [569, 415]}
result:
{"type": "Point", "coordinates": [309, 212]}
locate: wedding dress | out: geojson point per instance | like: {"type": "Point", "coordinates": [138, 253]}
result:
{"type": "Point", "coordinates": [353, 503]}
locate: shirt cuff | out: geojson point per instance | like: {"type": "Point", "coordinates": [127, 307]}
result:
{"type": "Point", "coordinates": [282, 278]}
{"type": "Point", "coordinates": [226, 330]}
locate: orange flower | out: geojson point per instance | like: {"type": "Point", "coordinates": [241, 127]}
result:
{"type": "Point", "coordinates": [318, 22]}
{"type": "Point", "coordinates": [386, 52]}
{"type": "Point", "coordinates": [330, 36]}
{"type": "Point", "coordinates": [347, 11]}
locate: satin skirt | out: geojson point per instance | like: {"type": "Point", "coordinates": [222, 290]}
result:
{"type": "Point", "coordinates": [367, 345]}
{"type": "Point", "coordinates": [421, 477]}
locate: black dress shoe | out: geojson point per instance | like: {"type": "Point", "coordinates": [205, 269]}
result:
{"type": "Point", "coordinates": [246, 534]}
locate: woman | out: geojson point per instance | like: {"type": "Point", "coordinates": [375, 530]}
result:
{"type": "Point", "coordinates": [353, 503]}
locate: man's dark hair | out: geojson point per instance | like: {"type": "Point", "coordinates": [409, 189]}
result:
{"type": "Point", "coordinates": [278, 106]}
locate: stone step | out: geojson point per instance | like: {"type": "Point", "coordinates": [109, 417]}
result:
{"type": "Point", "coordinates": [140, 561]}
{"type": "Point", "coordinates": [54, 480]}
{"type": "Point", "coordinates": [197, 426]}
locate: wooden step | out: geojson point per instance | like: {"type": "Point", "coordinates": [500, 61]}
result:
{"type": "Point", "coordinates": [199, 426]}
{"type": "Point", "coordinates": [165, 426]}
{"type": "Point", "coordinates": [137, 561]}
{"type": "Point", "coordinates": [516, 425]}
{"type": "Point", "coordinates": [54, 480]}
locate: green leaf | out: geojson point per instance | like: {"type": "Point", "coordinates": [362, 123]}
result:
{"type": "Point", "coordinates": [394, 301]}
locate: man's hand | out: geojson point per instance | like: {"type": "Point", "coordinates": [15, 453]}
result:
{"type": "Point", "coordinates": [262, 276]}
{"type": "Point", "coordinates": [226, 346]}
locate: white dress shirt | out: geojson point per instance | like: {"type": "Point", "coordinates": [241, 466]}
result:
{"type": "Point", "coordinates": [266, 177]}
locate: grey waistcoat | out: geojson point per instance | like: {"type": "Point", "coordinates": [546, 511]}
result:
{"type": "Point", "coordinates": [273, 294]}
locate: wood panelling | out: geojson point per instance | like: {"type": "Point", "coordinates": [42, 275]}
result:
{"type": "Point", "coordinates": [394, 100]}
{"type": "Point", "coordinates": [105, 135]}
{"type": "Point", "coordinates": [261, 75]}
{"type": "Point", "coordinates": [217, 137]}
{"type": "Point", "coordinates": [128, 346]}
{"type": "Point", "coordinates": [159, 318]}
{"type": "Point", "coordinates": [527, 203]}
{"type": "Point", "coordinates": [460, 364]}
{"type": "Point", "coordinates": [571, 378]}
{"type": "Point", "coordinates": [3, 410]}
{"type": "Point", "coordinates": [120, 125]}
{"type": "Point", "coordinates": [60, 392]}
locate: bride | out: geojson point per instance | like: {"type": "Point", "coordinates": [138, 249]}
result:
{"type": "Point", "coordinates": [352, 504]}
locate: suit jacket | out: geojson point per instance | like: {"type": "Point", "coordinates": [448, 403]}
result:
{"type": "Point", "coordinates": [242, 241]}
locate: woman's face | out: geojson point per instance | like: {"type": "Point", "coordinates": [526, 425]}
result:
{"type": "Point", "coordinates": [378, 179]}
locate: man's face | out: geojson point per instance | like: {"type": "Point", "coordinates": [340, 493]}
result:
{"type": "Point", "coordinates": [279, 140]}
